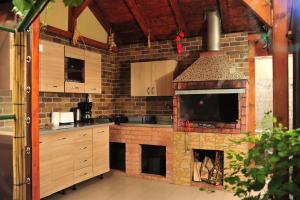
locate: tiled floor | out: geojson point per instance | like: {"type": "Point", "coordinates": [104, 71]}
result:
{"type": "Point", "coordinates": [116, 186]}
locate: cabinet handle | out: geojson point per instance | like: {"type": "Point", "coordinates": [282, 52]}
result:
{"type": "Point", "coordinates": [75, 87]}
{"type": "Point", "coordinates": [83, 148]}
{"type": "Point", "coordinates": [62, 138]}
{"type": "Point", "coordinates": [93, 89]}
{"type": "Point", "coordinates": [152, 90]}
{"type": "Point", "coordinates": [148, 91]}
{"type": "Point", "coordinates": [55, 86]}
{"type": "Point", "coordinates": [84, 174]}
{"type": "Point", "coordinates": [41, 142]}
{"type": "Point", "coordinates": [101, 132]}
{"type": "Point", "coordinates": [85, 134]}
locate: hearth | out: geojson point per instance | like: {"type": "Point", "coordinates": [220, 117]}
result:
{"type": "Point", "coordinates": [208, 166]}
{"type": "Point", "coordinates": [154, 159]}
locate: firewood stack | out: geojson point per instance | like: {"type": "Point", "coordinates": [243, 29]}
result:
{"type": "Point", "coordinates": [209, 170]}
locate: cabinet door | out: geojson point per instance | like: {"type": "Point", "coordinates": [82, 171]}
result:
{"type": "Point", "coordinates": [62, 161]}
{"type": "Point", "coordinates": [74, 87]}
{"type": "Point", "coordinates": [46, 185]}
{"type": "Point", "coordinates": [92, 72]}
{"type": "Point", "coordinates": [141, 79]}
{"type": "Point", "coordinates": [100, 150]}
{"type": "Point", "coordinates": [51, 67]}
{"type": "Point", "coordinates": [162, 77]}
{"type": "Point", "coordinates": [73, 52]}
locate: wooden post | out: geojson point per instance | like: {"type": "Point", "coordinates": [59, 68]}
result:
{"type": "Point", "coordinates": [19, 179]}
{"type": "Point", "coordinates": [252, 87]}
{"type": "Point", "coordinates": [280, 62]}
{"type": "Point", "coordinates": [35, 34]}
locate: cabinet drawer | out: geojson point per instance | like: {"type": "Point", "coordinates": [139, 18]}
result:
{"type": "Point", "coordinates": [73, 87]}
{"type": "Point", "coordinates": [83, 135]}
{"type": "Point", "coordinates": [46, 186]}
{"type": "Point", "coordinates": [101, 129]}
{"type": "Point", "coordinates": [82, 162]}
{"type": "Point", "coordinates": [83, 148]}
{"type": "Point", "coordinates": [93, 88]}
{"type": "Point", "coordinates": [63, 138]}
{"type": "Point", "coordinates": [64, 181]}
{"type": "Point", "coordinates": [83, 174]}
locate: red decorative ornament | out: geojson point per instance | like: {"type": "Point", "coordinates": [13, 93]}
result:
{"type": "Point", "coordinates": [179, 36]}
{"type": "Point", "coordinates": [179, 48]}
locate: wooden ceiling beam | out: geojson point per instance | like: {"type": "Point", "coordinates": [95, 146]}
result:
{"type": "Point", "coordinates": [223, 10]}
{"type": "Point", "coordinates": [262, 9]}
{"type": "Point", "coordinates": [132, 6]}
{"type": "Point", "coordinates": [74, 13]}
{"type": "Point", "coordinates": [178, 16]}
{"type": "Point", "coordinates": [94, 7]}
{"type": "Point", "coordinates": [68, 35]}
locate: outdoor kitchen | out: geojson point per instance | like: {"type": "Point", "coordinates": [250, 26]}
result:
{"type": "Point", "coordinates": [136, 99]}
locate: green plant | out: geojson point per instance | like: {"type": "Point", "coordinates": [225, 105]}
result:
{"type": "Point", "coordinates": [22, 7]}
{"type": "Point", "coordinates": [265, 172]}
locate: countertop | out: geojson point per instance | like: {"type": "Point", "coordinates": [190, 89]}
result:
{"type": "Point", "coordinates": [76, 126]}
{"type": "Point", "coordinates": [79, 126]}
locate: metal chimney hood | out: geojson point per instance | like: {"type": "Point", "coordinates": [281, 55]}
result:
{"type": "Point", "coordinates": [210, 91]}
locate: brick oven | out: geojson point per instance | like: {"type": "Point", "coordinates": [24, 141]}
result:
{"type": "Point", "coordinates": [210, 109]}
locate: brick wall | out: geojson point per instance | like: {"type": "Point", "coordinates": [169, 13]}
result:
{"type": "Point", "coordinates": [134, 137]}
{"type": "Point", "coordinates": [102, 103]}
{"type": "Point", "coordinates": [234, 45]}
{"type": "Point", "coordinates": [116, 99]}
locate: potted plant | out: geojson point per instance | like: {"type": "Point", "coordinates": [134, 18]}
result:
{"type": "Point", "coordinates": [266, 171]}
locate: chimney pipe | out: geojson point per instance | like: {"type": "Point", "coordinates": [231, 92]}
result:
{"type": "Point", "coordinates": [213, 30]}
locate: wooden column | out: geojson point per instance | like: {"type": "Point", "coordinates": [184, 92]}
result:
{"type": "Point", "coordinates": [280, 62]}
{"type": "Point", "coordinates": [251, 92]}
{"type": "Point", "coordinates": [35, 35]}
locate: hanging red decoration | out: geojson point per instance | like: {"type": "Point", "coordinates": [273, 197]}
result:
{"type": "Point", "coordinates": [179, 36]}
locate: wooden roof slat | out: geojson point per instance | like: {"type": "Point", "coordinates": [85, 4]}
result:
{"type": "Point", "coordinates": [178, 16]}
{"type": "Point", "coordinates": [262, 9]}
{"type": "Point", "coordinates": [132, 6]}
{"type": "Point", "coordinates": [223, 9]}
{"type": "Point", "coordinates": [74, 14]}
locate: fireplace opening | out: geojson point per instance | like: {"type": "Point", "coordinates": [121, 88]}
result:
{"type": "Point", "coordinates": [208, 166]}
{"type": "Point", "coordinates": [154, 159]}
{"type": "Point", "coordinates": [117, 154]}
{"type": "Point", "coordinates": [209, 108]}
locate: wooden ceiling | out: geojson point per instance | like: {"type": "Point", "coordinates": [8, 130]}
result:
{"type": "Point", "coordinates": [133, 20]}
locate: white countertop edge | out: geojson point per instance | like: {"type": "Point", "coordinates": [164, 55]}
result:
{"type": "Point", "coordinates": [48, 131]}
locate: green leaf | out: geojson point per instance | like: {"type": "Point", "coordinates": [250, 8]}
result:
{"type": "Point", "coordinates": [239, 157]}
{"type": "Point", "coordinates": [22, 7]}
{"type": "Point", "coordinates": [73, 3]}
{"type": "Point", "coordinates": [274, 159]}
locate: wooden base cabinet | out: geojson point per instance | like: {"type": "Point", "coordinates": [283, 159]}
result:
{"type": "Point", "coordinates": [46, 186]}
{"type": "Point", "coordinates": [100, 150]}
{"type": "Point", "coordinates": [68, 158]}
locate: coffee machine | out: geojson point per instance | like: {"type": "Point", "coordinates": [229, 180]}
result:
{"type": "Point", "coordinates": [86, 111]}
